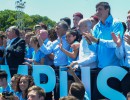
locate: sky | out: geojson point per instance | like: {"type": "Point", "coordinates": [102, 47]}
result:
{"type": "Point", "coordinates": [56, 9]}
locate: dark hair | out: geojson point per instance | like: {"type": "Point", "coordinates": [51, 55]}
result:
{"type": "Point", "coordinates": [28, 30]}
{"type": "Point", "coordinates": [2, 50]}
{"type": "Point", "coordinates": [3, 74]}
{"type": "Point", "coordinates": [17, 77]}
{"type": "Point", "coordinates": [2, 36]}
{"type": "Point", "coordinates": [52, 35]}
{"type": "Point", "coordinates": [63, 24]}
{"type": "Point", "coordinates": [78, 14]}
{"type": "Point", "coordinates": [67, 20]}
{"type": "Point", "coordinates": [124, 26]}
{"type": "Point", "coordinates": [68, 98]}
{"type": "Point", "coordinates": [30, 83]}
{"type": "Point", "coordinates": [74, 33]}
{"type": "Point", "coordinates": [43, 25]}
{"type": "Point", "coordinates": [77, 90]}
{"type": "Point", "coordinates": [39, 91]}
{"type": "Point", "coordinates": [30, 34]}
{"type": "Point", "coordinates": [95, 18]}
{"type": "Point", "coordinates": [105, 5]}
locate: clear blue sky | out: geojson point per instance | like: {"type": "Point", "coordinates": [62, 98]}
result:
{"type": "Point", "coordinates": [56, 9]}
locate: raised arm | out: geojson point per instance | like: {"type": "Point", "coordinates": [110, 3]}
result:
{"type": "Point", "coordinates": [72, 54]}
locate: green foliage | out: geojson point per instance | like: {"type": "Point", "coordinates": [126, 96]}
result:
{"type": "Point", "coordinates": [8, 18]}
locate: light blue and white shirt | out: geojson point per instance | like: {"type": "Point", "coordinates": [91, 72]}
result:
{"type": "Point", "coordinates": [106, 55]}
{"type": "Point", "coordinates": [60, 58]}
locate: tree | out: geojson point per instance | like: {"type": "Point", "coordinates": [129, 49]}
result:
{"type": "Point", "coordinates": [8, 18]}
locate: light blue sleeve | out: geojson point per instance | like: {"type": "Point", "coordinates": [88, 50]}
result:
{"type": "Point", "coordinates": [46, 50]}
{"type": "Point", "coordinates": [120, 53]}
{"type": "Point", "coordinates": [107, 43]}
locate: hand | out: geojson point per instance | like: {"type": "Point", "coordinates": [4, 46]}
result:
{"type": "Point", "coordinates": [93, 39]}
{"type": "Point", "coordinates": [127, 38]}
{"type": "Point", "coordinates": [39, 39]}
{"type": "Point", "coordinates": [38, 36]}
{"type": "Point", "coordinates": [60, 44]}
{"type": "Point", "coordinates": [29, 60]}
{"type": "Point", "coordinates": [116, 39]}
{"type": "Point", "coordinates": [87, 38]}
{"type": "Point", "coordinates": [73, 65]}
{"type": "Point", "coordinates": [37, 31]}
{"type": "Point", "coordinates": [27, 63]}
{"type": "Point", "coordinates": [90, 37]}
{"type": "Point", "coordinates": [70, 70]}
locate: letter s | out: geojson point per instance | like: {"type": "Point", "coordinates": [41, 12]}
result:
{"type": "Point", "coordinates": [104, 75]}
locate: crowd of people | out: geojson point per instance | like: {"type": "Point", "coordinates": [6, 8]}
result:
{"type": "Point", "coordinates": [94, 42]}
